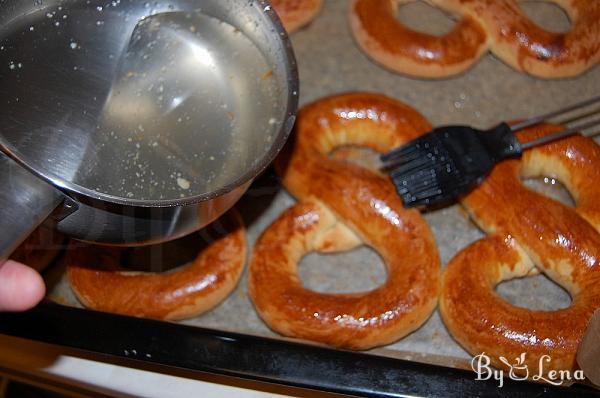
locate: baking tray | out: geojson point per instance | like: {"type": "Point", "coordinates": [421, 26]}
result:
{"type": "Point", "coordinates": [232, 340]}
{"type": "Point", "coordinates": [258, 358]}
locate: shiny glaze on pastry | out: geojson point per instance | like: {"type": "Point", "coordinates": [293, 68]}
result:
{"type": "Point", "coordinates": [392, 44]}
{"type": "Point", "coordinates": [529, 233]}
{"type": "Point", "coordinates": [343, 205]}
{"type": "Point", "coordinates": [296, 13]}
{"type": "Point", "coordinates": [498, 25]}
{"type": "Point", "coordinates": [184, 292]}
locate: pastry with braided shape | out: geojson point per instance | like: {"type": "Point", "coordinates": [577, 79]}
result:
{"type": "Point", "coordinates": [529, 233]}
{"type": "Point", "coordinates": [499, 26]}
{"type": "Point", "coordinates": [343, 205]}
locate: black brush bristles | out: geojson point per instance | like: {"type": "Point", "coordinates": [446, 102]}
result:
{"type": "Point", "coordinates": [438, 167]}
{"type": "Point", "coordinates": [444, 164]}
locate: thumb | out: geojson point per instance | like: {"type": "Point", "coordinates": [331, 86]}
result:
{"type": "Point", "coordinates": [20, 287]}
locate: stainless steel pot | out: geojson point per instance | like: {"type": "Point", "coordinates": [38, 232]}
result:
{"type": "Point", "coordinates": [128, 136]}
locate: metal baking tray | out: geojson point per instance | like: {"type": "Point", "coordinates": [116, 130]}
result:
{"type": "Point", "coordinates": [258, 358]}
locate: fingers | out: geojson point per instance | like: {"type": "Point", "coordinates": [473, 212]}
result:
{"type": "Point", "coordinates": [20, 287]}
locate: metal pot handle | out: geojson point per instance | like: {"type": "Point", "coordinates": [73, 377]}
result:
{"type": "Point", "coordinates": [25, 201]}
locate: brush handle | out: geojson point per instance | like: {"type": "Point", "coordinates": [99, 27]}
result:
{"type": "Point", "coordinates": [562, 134]}
{"type": "Point", "coordinates": [545, 117]}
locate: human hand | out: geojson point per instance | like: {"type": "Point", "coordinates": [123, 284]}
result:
{"type": "Point", "coordinates": [21, 287]}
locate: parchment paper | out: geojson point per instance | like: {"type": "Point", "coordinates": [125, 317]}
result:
{"type": "Point", "coordinates": [329, 63]}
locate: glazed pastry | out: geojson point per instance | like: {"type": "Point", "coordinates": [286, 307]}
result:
{"type": "Point", "coordinates": [529, 233]}
{"type": "Point", "coordinates": [343, 205]}
{"type": "Point", "coordinates": [99, 283]}
{"type": "Point", "coordinates": [499, 26]}
{"type": "Point", "coordinates": [296, 13]}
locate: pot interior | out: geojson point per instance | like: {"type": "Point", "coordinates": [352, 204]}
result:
{"type": "Point", "coordinates": [189, 103]}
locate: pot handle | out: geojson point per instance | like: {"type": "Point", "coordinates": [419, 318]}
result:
{"type": "Point", "coordinates": [25, 201]}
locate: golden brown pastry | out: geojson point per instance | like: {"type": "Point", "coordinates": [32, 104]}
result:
{"type": "Point", "coordinates": [343, 205]}
{"type": "Point", "coordinates": [529, 233]}
{"type": "Point", "coordinates": [296, 13]}
{"type": "Point", "coordinates": [181, 293]}
{"type": "Point", "coordinates": [389, 42]}
{"type": "Point", "coordinates": [500, 26]}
